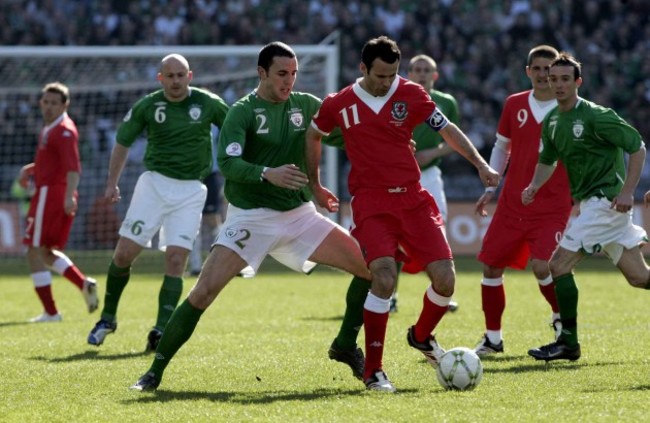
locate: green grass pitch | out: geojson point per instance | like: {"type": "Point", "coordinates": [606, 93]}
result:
{"type": "Point", "coordinates": [259, 354]}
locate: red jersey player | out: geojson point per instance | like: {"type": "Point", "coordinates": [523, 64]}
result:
{"type": "Point", "coordinates": [391, 211]}
{"type": "Point", "coordinates": [55, 173]}
{"type": "Point", "coordinates": [518, 233]}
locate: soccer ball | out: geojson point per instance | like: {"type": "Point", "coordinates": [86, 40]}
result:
{"type": "Point", "coordinates": [460, 369]}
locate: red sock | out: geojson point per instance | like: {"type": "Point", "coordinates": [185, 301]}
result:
{"type": "Point", "coordinates": [75, 276]}
{"type": "Point", "coordinates": [548, 291]}
{"type": "Point", "coordinates": [430, 316]}
{"type": "Point", "coordinates": [45, 295]}
{"type": "Point", "coordinates": [494, 303]}
{"type": "Point", "coordinates": [374, 325]}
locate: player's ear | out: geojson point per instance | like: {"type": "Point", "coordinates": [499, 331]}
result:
{"type": "Point", "coordinates": [363, 68]}
{"type": "Point", "coordinates": [189, 75]}
{"type": "Point", "coordinates": [435, 76]}
{"type": "Point", "coordinates": [579, 81]}
{"type": "Point", "coordinates": [159, 76]}
{"type": "Point", "coordinates": [261, 72]}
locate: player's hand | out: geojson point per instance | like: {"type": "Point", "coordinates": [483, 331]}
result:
{"type": "Point", "coordinates": [479, 208]}
{"type": "Point", "coordinates": [70, 206]}
{"type": "Point", "coordinates": [623, 202]}
{"type": "Point", "coordinates": [286, 176]}
{"type": "Point", "coordinates": [112, 193]}
{"type": "Point", "coordinates": [325, 198]}
{"type": "Point", "coordinates": [528, 195]}
{"type": "Point", "coordinates": [646, 199]}
{"type": "Point", "coordinates": [489, 176]}
{"type": "Point", "coordinates": [26, 172]}
{"type": "Point", "coordinates": [412, 145]}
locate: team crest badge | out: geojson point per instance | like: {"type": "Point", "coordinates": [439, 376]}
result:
{"type": "Point", "coordinates": [195, 112]}
{"type": "Point", "coordinates": [399, 111]}
{"type": "Point", "coordinates": [296, 119]}
{"type": "Point", "coordinates": [233, 149]}
{"type": "Point", "coordinates": [578, 128]}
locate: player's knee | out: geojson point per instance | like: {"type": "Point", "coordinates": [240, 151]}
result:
{"type": "Point", "coordinates": [639, 280]}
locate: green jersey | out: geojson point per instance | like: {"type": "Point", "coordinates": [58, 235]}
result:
{"type": "Point", "coordinates": [590, 140]}
{"type": "Point", "coordinates": [179, 134]}
{"type": "Point", "coordinates": [424, 137]}
{"type": "Point", "coordinates": [258, 134]}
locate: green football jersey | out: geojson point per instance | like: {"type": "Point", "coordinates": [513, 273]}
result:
{"type": "Point", "coordinates": [258, 134]}
{"type": "Point", "coordinates": [590, 140]}
{"type": "Point", "coordinates": [424, 136]}
{"type": "Point", "coordinates": [179, 136]}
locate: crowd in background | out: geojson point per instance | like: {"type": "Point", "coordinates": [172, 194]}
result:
{"type": "Point", "coordinates": [480, 45]}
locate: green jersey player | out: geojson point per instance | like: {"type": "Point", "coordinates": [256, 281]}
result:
{"type": "Point", "coordinates": [262, 158]}
{"type": "Point", "coordinates": [169, 195]}
{"type": "Point", "coordinates": [591, 142]}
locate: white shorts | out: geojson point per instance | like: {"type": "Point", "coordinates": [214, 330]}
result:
{"type": "Point", "coordinates": [170, 205]}
{"type": "Point", "coordinates": [431, 180]}
{"type": "Point", "coordinates": [598, 228]}
{"type": "Point", "coordinates": [290, 237]}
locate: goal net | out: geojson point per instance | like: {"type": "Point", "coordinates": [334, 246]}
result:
{"type": "Point", "coordinates": [104, 83]}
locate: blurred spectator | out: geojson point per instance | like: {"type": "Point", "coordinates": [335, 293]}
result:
{"type": "Point", "coordinates": [479, 43]}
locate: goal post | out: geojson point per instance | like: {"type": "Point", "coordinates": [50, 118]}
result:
{"type": "Point", "coordinates": [104, 83]}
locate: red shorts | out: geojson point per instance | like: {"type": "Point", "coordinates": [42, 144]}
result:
{"type": "Point", "coordinates": [406, 225]}
{"type": "Point", "coordinates": [510, 241]}
{"type": "Point", "coordinates": [47, 224]}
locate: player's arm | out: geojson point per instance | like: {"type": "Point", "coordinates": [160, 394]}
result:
{"type": "Point", "coordinates": [70, 202]}
{"type": "Point", "coordinates": [115, 167]}
{"type": "Point", "coordinates": [543, 173]}
{"type": "Point", "coordinates": [459, 142]}
{"type": "Point", "coordinates": [624, 201]}
{"type": "Point", "coordinates": [26, 172]}
{"type": "Point", "coordinates": [499, 158]}
{"type": "Point", "coordinates": [427, 155]}
{"type": "Point", "coordinates": [322, 196]}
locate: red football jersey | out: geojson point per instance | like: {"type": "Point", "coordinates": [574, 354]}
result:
{"type": "Point", "coordinates": [57, 152]}
{"type": "Point", "coordinates": [377, 132]}
{"type": "Point", "coordinates": [521, 124]}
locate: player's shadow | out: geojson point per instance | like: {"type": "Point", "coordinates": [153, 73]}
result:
{"type": "Point", "coordinates": [322, 319]}
{"type": "Point", "coordinates": [264, 397]}
{"type": "Point", "coordinates": [8, 324]}
{"type": "Point", "coordinates": [89, 355]}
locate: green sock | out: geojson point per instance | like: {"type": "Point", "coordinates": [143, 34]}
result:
{"type": "Point", "coordinates": [567, 299]}
{"type": "Point", "coordinates": [116, 280]}
{"type": "Point", "coordinates": [170, 293]}
{"type": "Point", "coordinates": [180, 327]}
{"type": "Point", "coordinates": [353, 317]}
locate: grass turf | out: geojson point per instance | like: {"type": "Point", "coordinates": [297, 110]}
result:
{"type": "Point", "coordinates": [260, 354]}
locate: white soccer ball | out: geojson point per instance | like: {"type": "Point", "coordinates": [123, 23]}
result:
{"type": "Point", "coordinates": [460, 369]}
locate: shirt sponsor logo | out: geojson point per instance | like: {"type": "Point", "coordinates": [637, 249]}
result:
{"type": "Point", "coordinates": [231, 232]}
{"type": "Point", "coordinates": [234, 149]}
{"type": "Point", "coordinates": [578, 128]}
{"type": "Point", "coordinates": [399, 111]}
{"type": "Point", "coordinates": [297, 119]}
{"type": "Point", "coordinates": [195, 112]}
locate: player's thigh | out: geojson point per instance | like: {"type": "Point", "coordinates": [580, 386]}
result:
{"type": "Point", "coordinates": [564, 261]}
{"type": "Point", "coordinates": [180, 225]}
{"type": "Point", "coordinates": [634, 267]}
{"type": "Point", "coordinates": [47, 223]}
{"type": "Point", "coordinates": [145, 213]}
{"type": "Point", "coordinates": [250, 234]}
{"type": "Point", "coordinates": [221, 266]}
{"type": "Point", "coordinates": [543, 237]}
{"type": "Point", "coordinates": [340, 250]}
{"type": "Point", "coordinates": [504, 244]}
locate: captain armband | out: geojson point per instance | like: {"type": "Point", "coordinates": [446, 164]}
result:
{"type": "Point", "coordinates": [437, 120]}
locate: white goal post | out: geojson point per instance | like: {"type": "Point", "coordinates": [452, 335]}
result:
{"type": "Point", "coordinates": [104, 82]}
